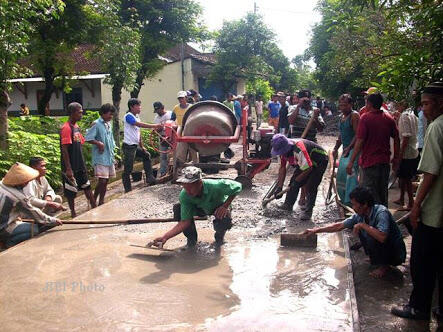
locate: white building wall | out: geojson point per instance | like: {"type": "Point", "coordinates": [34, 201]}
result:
{"type": "Point", "coordinates": [18, 98]}
{"type": "Point", "coordinates": [56, 102]}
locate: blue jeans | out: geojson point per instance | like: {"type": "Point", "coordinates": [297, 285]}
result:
{"type": "Point", "coordinates": [21, 233]}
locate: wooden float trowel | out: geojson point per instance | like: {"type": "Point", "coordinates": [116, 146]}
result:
{"type": "Point", "coordinates": [151, 245]}
{"type": "Point", "coordinates": [298, 240]}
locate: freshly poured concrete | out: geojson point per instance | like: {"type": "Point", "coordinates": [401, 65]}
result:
{"type": "Point", "coordinates": [91, 278]}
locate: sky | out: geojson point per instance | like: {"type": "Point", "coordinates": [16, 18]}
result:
{"type": "Point", "coordinates": [291, 20]}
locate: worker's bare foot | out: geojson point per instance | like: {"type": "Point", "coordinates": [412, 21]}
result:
{"type": "Point", "coordinates": [405, 208]}
{"type": "Point", "coordinates": [399, 202]}
{"type": "Point", "coordinates": [379, 272]}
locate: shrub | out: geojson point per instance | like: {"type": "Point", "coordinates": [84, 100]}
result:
{"type": "Point", "coordinates": [39, 136]}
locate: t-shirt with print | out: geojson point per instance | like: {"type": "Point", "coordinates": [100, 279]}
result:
{"type": "Point", "coordinates": [131, 131]}
{"type": "Point", "coordinates": [306, 153]}
{"type": "Point", "coordinates": [259, 107]}
{"type": "Point", "coordinates": [71, 136]}
{"type": "Point", "coordinates": [274, 109]}
{"type": "Point", "coordinates": [432, 162]}
{"type": "Point", "coordinates": [376, 130]}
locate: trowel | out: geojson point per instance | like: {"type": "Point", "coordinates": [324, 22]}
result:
{"type": "Point", "coordinates": [298, 240]}
{"type": "Point", "coordinates": [151, 246]}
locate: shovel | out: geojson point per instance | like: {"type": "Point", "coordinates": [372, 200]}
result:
{"type": "Point", "coordinates": [265, 201]}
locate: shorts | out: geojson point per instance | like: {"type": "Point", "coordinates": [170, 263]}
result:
{"type": "Point", "coordinates": [273, 122]}
{"type": "Point", "coordinates": [408, 168]}
{"type": "Point", "coordinates": [81, 183]}
{"type": "Point", "coordinates": [104, 172]}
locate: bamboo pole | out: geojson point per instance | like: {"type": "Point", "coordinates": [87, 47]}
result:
{"type": "Point", "coordinates": [123, 222]}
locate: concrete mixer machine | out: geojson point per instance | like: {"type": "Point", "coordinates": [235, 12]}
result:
{"type": "Point", "coordinates": [209, 127]}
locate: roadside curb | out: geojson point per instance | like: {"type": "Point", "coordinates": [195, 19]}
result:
{"type": "Point", "coordinates": [351, 286]}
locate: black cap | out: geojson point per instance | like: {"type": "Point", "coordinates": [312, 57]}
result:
{"type": "Point", "coordinates": [435, 88]}
{"type": "Point", "coordinates": [157, 106]}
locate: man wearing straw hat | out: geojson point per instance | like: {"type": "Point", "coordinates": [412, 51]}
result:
{"type": "Point", "coordinates": [14, 205]}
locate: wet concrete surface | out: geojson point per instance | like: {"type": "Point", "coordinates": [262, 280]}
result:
{"type": "Point", "coordinates": [96, 278]}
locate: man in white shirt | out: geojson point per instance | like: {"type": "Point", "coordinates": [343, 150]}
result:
{"type": "Point", "coordinates": [40, 192]}
{"type": "Point", "coordinates": [259, 110]}
{"type": "Point", "coordinates": [162, 117]}
{"type": "Point", "coordinates": [408, 127]}
{"type": "Point", "coordinates": [133, 144]}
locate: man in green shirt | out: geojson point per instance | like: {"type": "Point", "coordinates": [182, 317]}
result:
{"type": "Point", "coordinates": [427, 216]}
{"type": "Point", "coordinates": [202, 197]}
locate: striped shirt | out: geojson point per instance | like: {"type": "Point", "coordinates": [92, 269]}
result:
{"type": "Point", "coordinates": [301, 121]}
{"type": "Point", "coordinates": [14, 204]}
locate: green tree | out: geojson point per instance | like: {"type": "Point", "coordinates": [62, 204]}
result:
{"type": "Point", "coordinates": [239, 48]}
{"type": "Point", "coordinates": [261, 88]}
{"type": "Point", "coordinates": [396, 45]}
{"type": "Point", "coordinates": [118, 50]}
{"type": "Point", "coordinates": [18, 20]}
{"type": "Point", "coordinates": [161, 25]}
{"type": "Point", "coordinates": [52, 45]}
{"type": "Point", "coordinates": [247, 49]}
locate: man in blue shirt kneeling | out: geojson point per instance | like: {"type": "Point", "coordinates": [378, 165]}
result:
{"type": "Point", "coordinates": [378, 232]}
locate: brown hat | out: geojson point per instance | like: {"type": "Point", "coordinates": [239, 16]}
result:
{"type": "Point", "coordinates": [19, 174]}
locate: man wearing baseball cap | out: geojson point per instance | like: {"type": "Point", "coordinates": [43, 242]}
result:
{"type": "Point", "coordinates": [202, 197]}
{"type": "Point", "coordinates": [182, 106]}
{"type": "Point", "coordinates": [310, 161]}
{"type": "Point", "coordinates": [14, 203]}
{"type": "Point", "coordinates": [299, 117]}
{"type": "Point", "coordinates": [367, 93]}
{"type": "Point", "coordinates": [162, 117]}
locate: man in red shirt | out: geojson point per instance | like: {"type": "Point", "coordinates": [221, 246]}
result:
{"type": "Point", "coordinates": [368, 92]}
{"type": "Point", "coordinates": [74, 173]}
{"type": "Point", "coordinates": [374, 132]}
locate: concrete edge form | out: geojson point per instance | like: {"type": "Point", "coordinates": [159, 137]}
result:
{"type": "Point", "coordinates": [350, 277]}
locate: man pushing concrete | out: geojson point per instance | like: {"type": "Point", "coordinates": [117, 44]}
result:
{"type": "Point", "coordinates": [202, 197]}
{"type": "Point", "coordinates": [310, 161]}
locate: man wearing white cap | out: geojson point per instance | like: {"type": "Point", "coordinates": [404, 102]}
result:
{"type": "Point", "coordinates": [180, 109]}
{"type": "Point", "coordinates": [14, 205]}
{"type": "Point", "coordinates": [202, 197]}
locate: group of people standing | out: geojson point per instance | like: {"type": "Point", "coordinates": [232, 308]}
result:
{"type": "Point", "coordinates": [362, 182]}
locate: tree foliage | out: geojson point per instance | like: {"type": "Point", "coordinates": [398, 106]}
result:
{"type": "Point", "coordinates": [161, 25]}
{"type": "Point", "coordinates": [246, 49]}
{"type": "Point", "coordinates": [53, 42]}
{"type": "Point", "coordinates": [396, 45]}
{"type": "Point", "coordinates": [18, 20]}
{"type": "Point", "coordinates": [259, 87]}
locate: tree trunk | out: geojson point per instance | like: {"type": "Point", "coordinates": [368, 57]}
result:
{"type": "Point", "coordinates": [138, 83]}
{"type": "Point", "coordinates": [5, 102]}
{"type": "Point", "coordinates": [116, 98]}
{"type": "Point", "coordinates": [49, 90]}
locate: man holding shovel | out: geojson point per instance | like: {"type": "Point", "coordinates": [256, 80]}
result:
{"type": "Point", "coordinates": [310, 161]}
{"type": "Point", "coordinates": [378, 232]}
{"type": "Point", "coordinates": [207, 197]}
